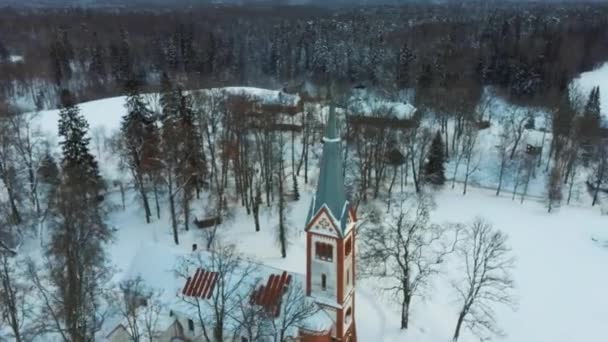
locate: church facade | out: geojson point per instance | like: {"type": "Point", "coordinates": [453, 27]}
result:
{"type": "Point", "coordinates": [330, 241]}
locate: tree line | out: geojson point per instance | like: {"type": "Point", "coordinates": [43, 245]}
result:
{"type": "Point", "coordinates": [530, 55]}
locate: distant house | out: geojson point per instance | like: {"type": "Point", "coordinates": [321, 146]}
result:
{"type": "Point", "coordinates": [328, 285]}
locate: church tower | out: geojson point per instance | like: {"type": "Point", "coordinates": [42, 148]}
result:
{"type": "Point", "coordinates": [330, 240]}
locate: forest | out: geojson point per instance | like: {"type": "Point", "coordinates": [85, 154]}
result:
{"type": "Point", "coordinates": [163, 115]}
{"type": "Point", "coordinates": [529, 51]}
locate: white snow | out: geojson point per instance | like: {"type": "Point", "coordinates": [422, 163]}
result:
{"type": "Point", "coordinates": [15, 58]}
{"type": "Point", "coordinates": [560, 278]}
{"type": "Point", "coordinates": [266, 95]}
{"type": "Point", "coordinates": [369, 104]}
{"type": "Point", "coordinates": [560, 274]}
{"type": "Point", "coordinates": [598, 77]}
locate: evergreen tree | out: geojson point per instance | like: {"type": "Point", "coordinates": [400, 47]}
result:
{"type": "Point", "coordinates": [97, 67]}
{"type": "Point", "coordinates": [76, 259]}
{"type": "Point", "coordinates": [48, 170]}
{"type": "Point", "coordinates": [4, 53]}
{"type": "Point", "coordinates": [404, 64]}
{"type": "Point", "coordinates": [168, 98]}
{"type": "Point", "coordinates": [78, 162]}
{"type": "Point", "coordinates": [434, 169]}
{"type": "Point", "coordinates": [590, 122]}
{"type": "Point", "coordinates": [171, 149]}
{"type": "Point", "coordinates": [592, 108]}
{"type": "Point", "coordinates": [60, 56]}
{"type": "Point", "coordinates": [190, 166]}
{"type": "Point", "coordinates": [139, 137]}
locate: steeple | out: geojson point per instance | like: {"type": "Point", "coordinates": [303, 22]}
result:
{"type": "Point", "coordinates": [330, 241]}
{"type": "Point", "coordinates": [330, 187]}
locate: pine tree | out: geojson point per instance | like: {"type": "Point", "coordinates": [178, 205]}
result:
{"type": "Point", "coordinates": [4, 53]}
{"type": "Point", "coordinates": [76, 262]}
{"type": "Point", "coordinates": [78, 163]}
{"type": "Point", "coordinates": [434, 169]}
{"type": "Point", "coordinates": [404, 64]}
{"type": "Point", "coordinates": [168, 99]}
{"type": "Point", "coordinates": [171, 149]}
{"type": "Point", "coordinates": [60, 53]}
{"type": "Point", "coordinates": [592, 108]}
{"type": "Point", "coordinates": [97, 67]}
{"type": "Point", "coordinates": [48, 170]}
{"type": "Point", "coordinates": [191, 166]}
{"type": "Point", "coordinates": [139, 137]}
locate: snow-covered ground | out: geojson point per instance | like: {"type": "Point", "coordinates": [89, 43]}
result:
{"type": "Point", "coordinates": [598, 77]}
{"type": "Point", "coordinates": [560, 273]}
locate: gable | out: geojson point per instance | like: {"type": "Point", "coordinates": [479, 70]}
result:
{"type": "Point", "coordinates": [323, 223]}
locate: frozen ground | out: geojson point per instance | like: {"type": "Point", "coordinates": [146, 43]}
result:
{"type": "Point", "coordinates": [560, 273]}
{"type": "Point", "coordinates": [598, 77]}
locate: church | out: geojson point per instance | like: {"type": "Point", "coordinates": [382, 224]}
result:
{"type": "Point", "coordinates": [329, 281]}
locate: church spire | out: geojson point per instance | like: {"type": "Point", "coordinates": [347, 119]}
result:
{"type": "Point", "coordinates": [330, 187]}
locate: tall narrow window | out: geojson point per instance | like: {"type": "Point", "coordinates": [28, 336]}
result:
{"type": "Point", "coordinates": [348, 247]}
{"type": "Point", "coordinates": [324, 251]}
{"type": "Point", "coordinates": [190, 325]}
{"type": "Point", "coordinates": [349, 315]}
{"type": "Point", "coordinates": [323, 282]}
{"type": "Point", "coordinates": [347, 277]}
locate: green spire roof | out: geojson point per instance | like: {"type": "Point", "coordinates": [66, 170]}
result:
{"type": "Point", "coordinates": [330, 188]}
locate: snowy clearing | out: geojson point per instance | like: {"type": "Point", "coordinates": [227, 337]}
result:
{"type": "Point", "coordinates": [557, 254]}
{"type": "Point", "coordinates": [598, 77]}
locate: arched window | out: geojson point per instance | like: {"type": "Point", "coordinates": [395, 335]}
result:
{"type": "Point", "coordinates": [324, 251]}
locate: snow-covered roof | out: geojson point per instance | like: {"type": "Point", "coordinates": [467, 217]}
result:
{"type": "Point", "coordinates": [365, 104]}
{"type": "Point", "coordinates": [266, 96]}
{"type": "Point", "coordinates": [156, 266]}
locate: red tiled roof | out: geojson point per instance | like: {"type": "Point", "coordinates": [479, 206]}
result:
{"type": "Point", "coordinates": [201, 284]}
{"type": "Point", "coordinates": [269, 296]}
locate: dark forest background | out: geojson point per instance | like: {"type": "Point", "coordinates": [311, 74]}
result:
{"type": "Point", "coordinates": [529, 52]}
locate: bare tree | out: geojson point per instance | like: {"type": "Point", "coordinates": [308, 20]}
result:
{"type": "Point", "coordinates": [600, 170]}
{"type": "Point", "coordinates": [282, 226]}
{"type": "Point", "coordinates": [9, 168]}
{"type": "Point", "coordinates": [418, 143]}
{"type": "Point", "coordinates": [554, 188]}
{"type": "Point", "coordinates": [15, 297]}
{"type": "Point", "coordinates": [252, 321]}
{"type": "Point", "coordinates": [140, 308]}
{"type": "Point", "coordinates": [30, 144]}
{"type": "Point", "coordinates": [294, 309]}
{"type": "Point", "coordinates": [232, 274]}
{"type": "Point", "coordinates": [469, 145]}
{"type": "Point", "coordinates": [406, 252]}
{"type": "Point", "coordinates": [503, 146]}
{"type": "Point", "coordinates": [525, 171]}
{"type": "Point", "coordinates": [516, 121]}
{"type": "Point", "coordinates": [486, 278]}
